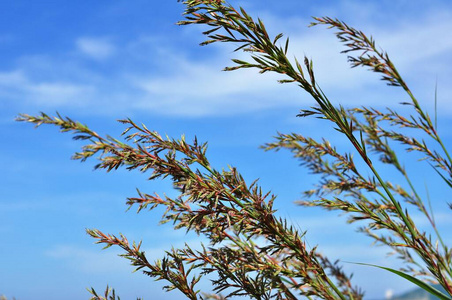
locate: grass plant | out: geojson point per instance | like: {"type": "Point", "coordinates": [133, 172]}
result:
{"type": "Point", "coordinates": [233, 214]}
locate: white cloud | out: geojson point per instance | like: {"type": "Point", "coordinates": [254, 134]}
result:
{"type": "Point", "coordinates": [12, 78]}
{"type": "Point", "coordinates": [16, 85]}
{"type": "Point", "coordinates": [171, 82]}
{"type": "Point", "coordinates": [200, 88]}
{"type": "Point", "coordinates": [419, 49]}
{"type": "Point", "coordinates": [95, 48]}
{"type": "Point", "coordinates": [58, 92]}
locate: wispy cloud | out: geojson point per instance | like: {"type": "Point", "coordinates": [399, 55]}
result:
{"type": "Point", "coordinates": [96, 48]}
{"type": "Point", "coordinates": [16, 85]}
{"type": "Point", "coordinates": [197, 88]}
{"type": "Point", "coordinates": [176, 84]}
{"type": "Point", "coordinates": [419, 49]}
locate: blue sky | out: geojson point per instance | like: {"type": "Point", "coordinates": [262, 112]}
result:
{"type": "Point", "coordinates": [99, 61]}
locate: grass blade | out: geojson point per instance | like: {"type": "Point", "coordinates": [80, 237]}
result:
{"type": "Point", "coordinates": [426, 287]}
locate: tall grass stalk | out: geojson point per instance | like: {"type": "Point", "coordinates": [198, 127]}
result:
{"type": "Point", "coordinates": [233, 214]}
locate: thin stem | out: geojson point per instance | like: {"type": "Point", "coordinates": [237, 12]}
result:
{"type": "Point", "coordinates": [399, 209]}
{"type": "Point", "coordinates": [334, 287]}
{"type": "Point", "coordinates": [422, 207]}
